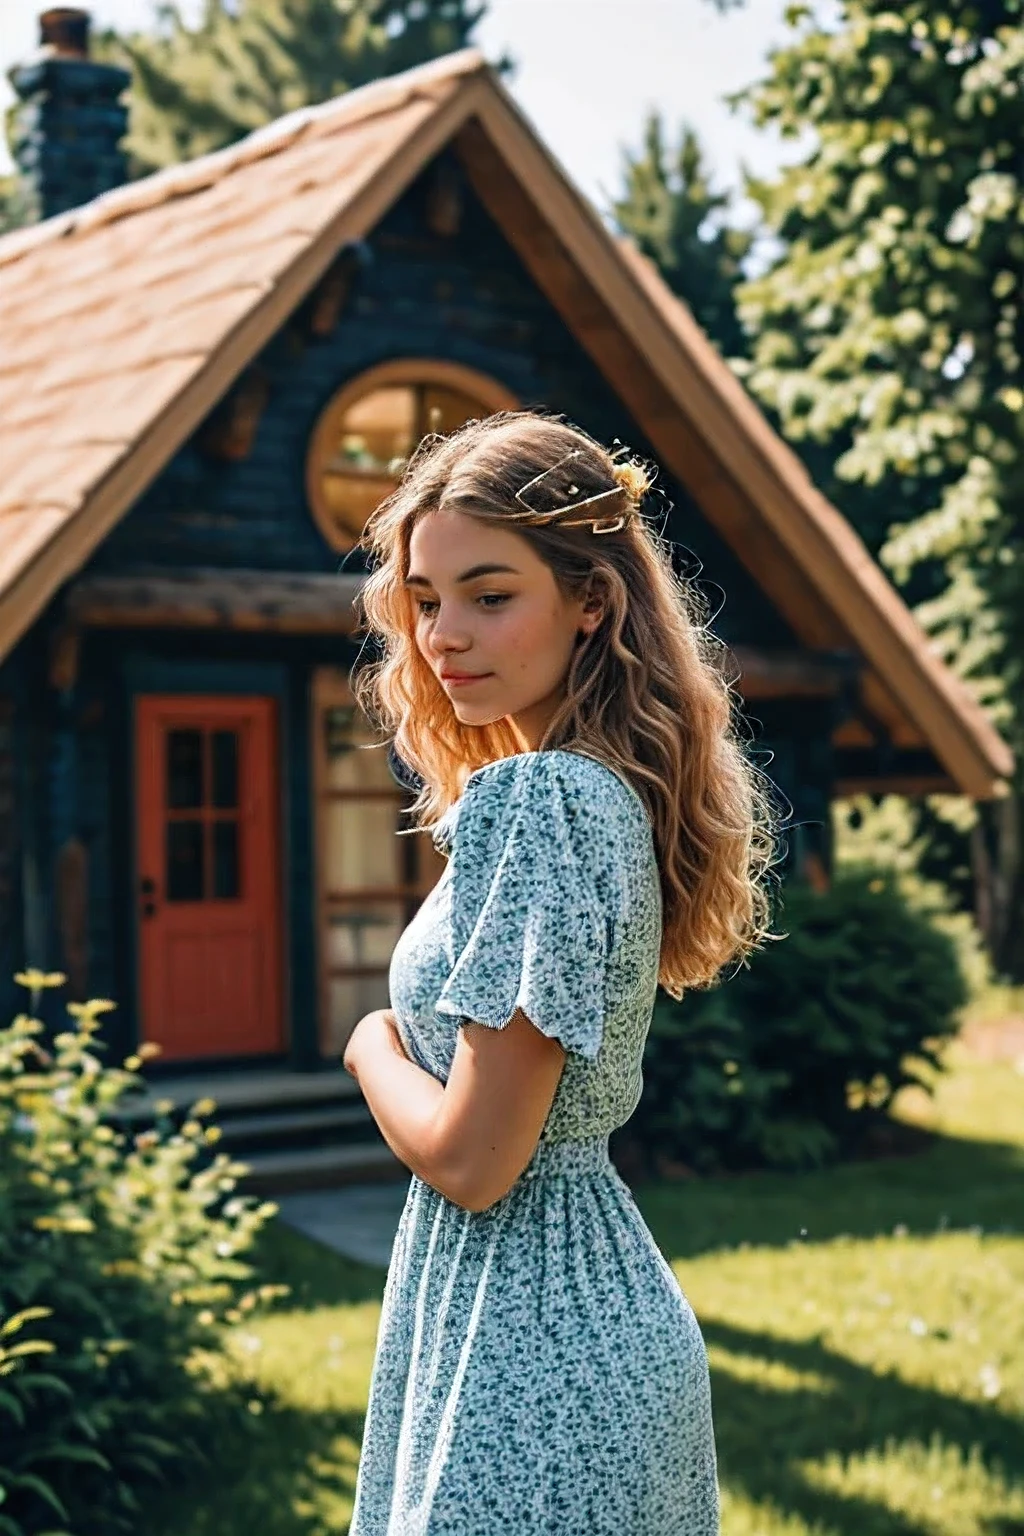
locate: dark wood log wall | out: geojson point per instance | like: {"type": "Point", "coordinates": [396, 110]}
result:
{"type": "Point", "coordinates": [429, 287]}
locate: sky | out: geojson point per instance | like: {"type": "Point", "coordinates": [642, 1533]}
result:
{"type": "Point", "coordinates": [587, 73]}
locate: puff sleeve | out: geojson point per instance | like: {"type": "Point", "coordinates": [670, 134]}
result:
{"type": "Point", "coordinates": [533, 898]}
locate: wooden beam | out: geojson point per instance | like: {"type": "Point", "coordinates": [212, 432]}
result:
{"type": "Point", "coordinates": [912, 785]}
{"type": "Point", "coordinates": [72, 903]}
{"type": "Point", "coordinates": [65, 650]}
{"type": "Point", "coordinates": [885, 770]}
{"type": "Point", "coordinates": [328, 299]}
{"type": "Point", "coordinates": [230, 430]}
{"type": "Point", "coordinates": [881, 705]}
{"type": "Point", "coordinates": [445, 198]}
{"type": "Point", "coordinates": [853, 733]}
{"type": "Point", "coordinates": [787, 674]}
{"type": "Point", "coordinates": [274, 601]}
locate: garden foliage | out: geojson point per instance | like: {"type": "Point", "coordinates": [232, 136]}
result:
{"type": "Point", "coordinates": [131, 1247]}
{"type": "Point", "coordinates": [789, 1061]}
{"type": "Point", "coordinates": [887, 337]}
{"type": "Point", "coordinates": [201, 82]}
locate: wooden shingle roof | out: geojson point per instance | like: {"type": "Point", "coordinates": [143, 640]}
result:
{"type": "Point", "coordinates": [123, 322]}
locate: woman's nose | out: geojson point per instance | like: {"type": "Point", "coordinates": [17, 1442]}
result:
{"type": "Point", "coordinates": [445, 634]}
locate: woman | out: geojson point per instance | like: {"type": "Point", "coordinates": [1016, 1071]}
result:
{"type": "Point", "coordinates": [538, 1370]}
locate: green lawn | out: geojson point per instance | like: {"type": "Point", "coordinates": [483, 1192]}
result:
{"type": "Point", "coordinates": [865, 1328]}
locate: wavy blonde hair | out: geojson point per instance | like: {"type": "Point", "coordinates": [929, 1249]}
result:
{"type": "Point", "coordinates": [643, 691]}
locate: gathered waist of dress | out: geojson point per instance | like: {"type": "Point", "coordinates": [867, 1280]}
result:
{"type": "Point", "coordinates": [551, 1158]}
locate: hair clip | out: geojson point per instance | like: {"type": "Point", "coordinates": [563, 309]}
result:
{"type": "Point", "coordinates": [613, 524]}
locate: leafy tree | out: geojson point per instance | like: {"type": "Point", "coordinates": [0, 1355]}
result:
{"type": "Point", "coordinates": [17, 205]}
{"type": "Point", "coordinates": [679, 221]}
{"type": "Point", "coordinates": [12, 204]}
{"type": "Point", "coordinates": [198, 88]}
{"type": "Point", "coordinates": [890, 330]}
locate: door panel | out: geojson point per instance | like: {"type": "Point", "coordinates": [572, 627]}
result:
{"type": "Point", "coordinates": [208, 875]}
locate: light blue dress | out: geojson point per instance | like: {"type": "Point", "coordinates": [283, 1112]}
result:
{"type": "Point", "coordinates": [538, 1370]}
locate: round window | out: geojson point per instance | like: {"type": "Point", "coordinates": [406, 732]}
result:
{"type": "Point", "coordinates": [372, 425]}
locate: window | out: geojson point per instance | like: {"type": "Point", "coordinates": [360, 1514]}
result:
{"type": "Point", "coordinates": [369, 881]}
{"type": "Point", "coordinates": [376, 422]}
{"type": "Point", "coordinates": [202, 815]}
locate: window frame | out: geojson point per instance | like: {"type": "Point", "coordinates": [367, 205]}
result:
{"type": "Point", "coordinates": [330, 688]}
{"type": "Point", "coordinates": [411, 371]}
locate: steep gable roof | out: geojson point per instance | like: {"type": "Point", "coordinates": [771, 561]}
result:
{"type": "Point", "coordinates": [123, 322]}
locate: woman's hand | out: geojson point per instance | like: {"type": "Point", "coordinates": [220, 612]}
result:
{"type": "Point", "coordinates": [381, 1024]}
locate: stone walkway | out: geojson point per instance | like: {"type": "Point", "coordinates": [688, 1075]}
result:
{"type": "Point", "coordinates": [358, 1220]}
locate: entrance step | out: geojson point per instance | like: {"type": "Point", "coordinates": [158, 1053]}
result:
{"type": "Point", "coordinates": [245, 1091]}
{"type": "Point", "coordinates": [309, 1168]}
{"type": "Point", "coordinates": [293, 1130]}
{"type": "Point", "coordinates": [259, 1130]}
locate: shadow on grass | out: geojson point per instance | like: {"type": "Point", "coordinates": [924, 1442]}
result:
{"type": "Point", "coordinates": [293, 1475]}
{"type": "Point", "coordinates": [953, 1185]}
{"type": "Point", "coordinates": [762, 1434]}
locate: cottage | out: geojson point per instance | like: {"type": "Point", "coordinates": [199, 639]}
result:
{"type": "Point", "coordinates": [204, 379]}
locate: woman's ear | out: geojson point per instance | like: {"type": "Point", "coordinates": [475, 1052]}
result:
{"type": "Point", "coordinates": [593, 613]}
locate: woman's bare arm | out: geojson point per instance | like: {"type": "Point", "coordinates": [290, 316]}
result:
{"type": "Point", "coordinates": [499, 1092]}
{"type": "Point", "coordinates": [403, 1099]}
{"type": "Point", "coordinates": [471, 1138]}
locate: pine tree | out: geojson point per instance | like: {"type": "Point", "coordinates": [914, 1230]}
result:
{"type": "Point", "coordinates": [891, 330]}
{"type": "Point", "coordinates": [196, 89]}
{"type": "Point", "coordinates": [678, 220]}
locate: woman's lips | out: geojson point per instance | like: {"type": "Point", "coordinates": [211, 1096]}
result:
{"type": "Point", "coordinates": [461, 682]}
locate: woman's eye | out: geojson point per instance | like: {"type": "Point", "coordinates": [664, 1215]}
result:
{"type": "Point", "coordinates": [424, 604]}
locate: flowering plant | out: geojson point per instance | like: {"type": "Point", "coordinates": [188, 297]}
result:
{"type": "Point", "coordinates": [132, 1245]}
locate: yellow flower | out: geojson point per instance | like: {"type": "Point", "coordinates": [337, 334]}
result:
{"type": "Point", "coordinates": [63, 1224]}
{"type": "Point", "coordinates": [35, 979]}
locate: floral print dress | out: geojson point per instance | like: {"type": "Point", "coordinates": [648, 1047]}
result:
{"type": "Point", "coordinates": [538, 1370]}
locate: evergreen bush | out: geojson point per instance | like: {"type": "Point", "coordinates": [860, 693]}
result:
{"type": "Point", "coordinates": [788, 1062]}
{"type": "Point", "coordinates": [132, 1246]}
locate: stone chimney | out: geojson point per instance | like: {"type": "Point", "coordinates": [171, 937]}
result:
{"type": "Point", "coordinates": [70, 121]}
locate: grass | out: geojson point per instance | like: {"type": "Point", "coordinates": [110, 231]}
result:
{"type": "Point", "coordinates": [865, 1328]}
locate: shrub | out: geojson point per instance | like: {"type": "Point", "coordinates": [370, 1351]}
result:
{"type": "Point", "coordinates": [28, 1447]}
{"type": "Point", "coordinates": [908, 837]}
{"type": "Point", "coordinates": [134, 1246]}
{"type": "Point", "coordinates": [788, 1062]}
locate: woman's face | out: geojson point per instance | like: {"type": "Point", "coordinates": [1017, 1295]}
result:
{"type": "Point", "coordinates": [485, 604]}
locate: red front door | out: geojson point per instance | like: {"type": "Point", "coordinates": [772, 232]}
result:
{"type": "Point", "coordinates": [208, 878]}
